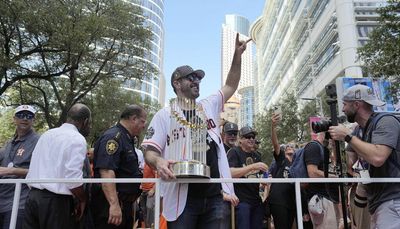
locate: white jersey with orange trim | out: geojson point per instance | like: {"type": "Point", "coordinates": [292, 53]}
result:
{"type": "Point", "coordinates": [175, 194]}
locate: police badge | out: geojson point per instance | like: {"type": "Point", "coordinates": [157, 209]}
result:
{"type": "Point", "coordinates": [111, 146]}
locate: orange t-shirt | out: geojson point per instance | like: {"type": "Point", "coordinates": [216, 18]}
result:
{"type": "Point", "coordinates": [148, 172]}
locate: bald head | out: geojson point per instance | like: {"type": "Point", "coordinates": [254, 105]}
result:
{"type": "Point", "coordinates": [78, 113]}
{"type": "Point", "coordinates": [80, 116]}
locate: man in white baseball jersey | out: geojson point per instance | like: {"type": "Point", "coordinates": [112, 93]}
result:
{"type": "Point", "coordinates": [195, 205]}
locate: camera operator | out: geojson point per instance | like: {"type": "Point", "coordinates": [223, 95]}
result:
{"type": "Point", "coordinates": [379, 145]}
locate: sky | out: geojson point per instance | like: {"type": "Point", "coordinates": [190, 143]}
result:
{"type": "Point", "coordinates": [193, 36]}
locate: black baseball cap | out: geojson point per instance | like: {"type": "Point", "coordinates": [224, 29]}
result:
{"type": "Point", "coordinates": [246, 131]}
{"type": "Point", "coordinates": [183, 71]}
{"type": "Point", "coordinates": [230, 127]}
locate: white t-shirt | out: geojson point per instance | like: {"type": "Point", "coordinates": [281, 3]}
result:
{"type": "Point", "coordinates": [175, 194]}
{"type": "Point", "coordinates": [139, 154]}
{"type": "Point", "coordinates": [59, 153]}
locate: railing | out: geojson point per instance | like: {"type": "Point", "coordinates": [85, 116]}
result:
{"type": "Point", "coordinates": [296, 181]}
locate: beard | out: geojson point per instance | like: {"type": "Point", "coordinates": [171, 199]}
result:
{"type": "Point", "coordinates": [192, 91]}
{"type": "Point", "coordinates": [351, 117]}
{"type": "Point", "coordinates": [232, 142]}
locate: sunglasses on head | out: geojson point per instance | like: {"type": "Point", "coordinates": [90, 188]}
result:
{"type": "Point", "coordinates": [250, 137]}
{"type": "Point", "coordinates": [193, 77]}
{"type": "Point", "coordinates": [25, 115]}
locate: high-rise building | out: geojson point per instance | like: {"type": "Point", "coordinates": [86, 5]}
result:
{"type": "Point", "coordinates": [152, 87]}
{"type": "Point", "coordinates": [304, 45]}
{"type": "Point", "coordinates": [236, 24]}
{"type": "Point", "coordinates": [246, 106]}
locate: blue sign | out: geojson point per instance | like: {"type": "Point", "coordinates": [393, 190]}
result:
{"type": "Point", "coordinates": [379, 86]}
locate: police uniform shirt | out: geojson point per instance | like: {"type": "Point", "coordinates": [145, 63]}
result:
{"type": "Point", "coordinates": [16, 153]}
{"type": "Point", "coordinates": [115, 150]}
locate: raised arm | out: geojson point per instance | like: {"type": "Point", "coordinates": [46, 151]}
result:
{"type": "Point", "coordinates": [274, 137]}
{"type": "Point", "coordinates": [233, 78]}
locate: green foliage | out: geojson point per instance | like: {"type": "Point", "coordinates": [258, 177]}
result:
{"type": "Point", "coordinates": [288, 129]}
{"type": "Point", "coordinates": [309, 110]}
{"type": "Point", "coordinates": [107, 102]}
{"type": "Point", "coordinates": [54, 53]}
{"type": "Point", "coordinates": [381, 53]}
{"type": "Point", "coordinates": [294, 126]}
{"type": "Point", "coordinates": [263, 127]}
{"type": "Point", "coordinates": [7, 127]}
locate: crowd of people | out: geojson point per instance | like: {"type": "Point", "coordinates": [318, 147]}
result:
{"type": "Point", "coordinates": [373, 150]}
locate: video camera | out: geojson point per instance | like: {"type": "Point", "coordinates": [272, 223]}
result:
{"type": "Point", "coordinates": [324, 125]}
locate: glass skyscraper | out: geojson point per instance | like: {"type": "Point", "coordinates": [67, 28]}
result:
{"type": "Point", "coordinates": [234, 107]}
{"type": "Point", "coordinates": [152, 87]}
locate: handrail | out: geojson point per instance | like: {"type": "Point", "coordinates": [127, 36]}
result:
{"type": "Point", "coordinates": [158, 181]}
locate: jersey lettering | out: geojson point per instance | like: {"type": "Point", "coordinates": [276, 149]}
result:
{"type": "Point", "coordinates": [210, 124]}
{"type": "Point", "coordinates": [176, 134]}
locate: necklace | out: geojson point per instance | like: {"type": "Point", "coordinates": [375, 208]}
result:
{"type": "Point", "coordinates": [177, 114]}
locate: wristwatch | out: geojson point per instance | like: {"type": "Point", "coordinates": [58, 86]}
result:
{"type": "Point", "coordinates": [348, 138]}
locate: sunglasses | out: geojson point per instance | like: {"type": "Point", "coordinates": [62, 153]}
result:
{"type": "Point", "coordinates": [193, 77]}
{"type": "Point", "coordinates": [28, 116]}
{"type": "Point", "coordinates": [250, 137]}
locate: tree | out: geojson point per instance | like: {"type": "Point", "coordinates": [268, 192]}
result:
{"type": "Point", "coordinates": [263, 127]}
{"type": "Point", "coordinates": [288, 129]}
{"type": "Point", "coordinates": [294, 126]}
{"type": "Point", "coordinates": [309, 110]}
{"type": "Point", "coordinates": [107, 101]}
{"type": "Point", "coordinates": [7, 127]}
{"type": "Point", "coordinates": [381, 55]}
{"type": "Point", "coordinates": [55, 52]}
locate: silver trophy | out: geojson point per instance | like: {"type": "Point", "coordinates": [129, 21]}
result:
{"type": "Point", "coordinates": [188, 139]}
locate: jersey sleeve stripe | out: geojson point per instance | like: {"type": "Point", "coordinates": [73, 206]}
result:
{"type": "Point", "coordinates": [152, 143]}
{"type": "Point", "coordinates": [222, 102]}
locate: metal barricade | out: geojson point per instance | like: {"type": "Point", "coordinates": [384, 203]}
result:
{"type": "Point", "coordinates": [157, 181]}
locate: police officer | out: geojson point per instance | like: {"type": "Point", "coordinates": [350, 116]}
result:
{"type": "Point", "coordinates": [115, 157]}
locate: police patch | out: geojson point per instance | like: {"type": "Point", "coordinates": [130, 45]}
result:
{"type": "Point", "coordinates": [149, 133]}
{"type": "Point", "coordinates": [111, 146]}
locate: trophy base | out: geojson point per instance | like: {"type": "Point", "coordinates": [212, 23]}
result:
{"type": "Point", "coordinates": [191, 169]}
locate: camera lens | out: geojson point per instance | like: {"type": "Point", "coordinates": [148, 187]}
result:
{"type": "Point", "coordinates": [321, 126]}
